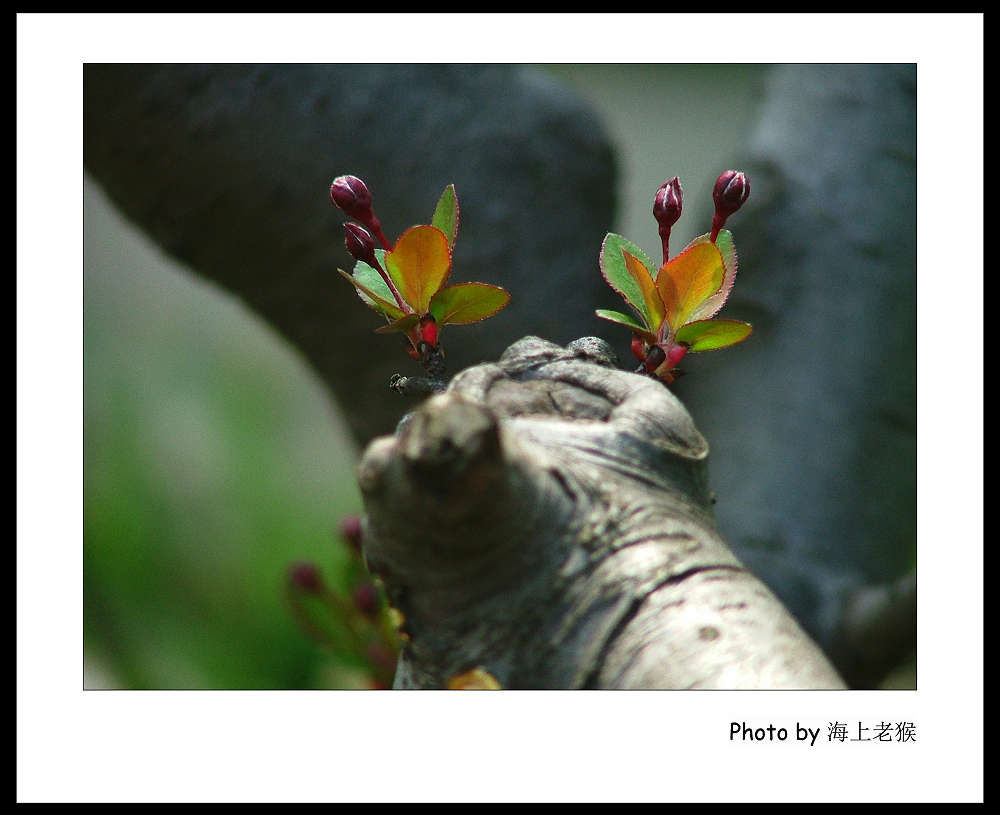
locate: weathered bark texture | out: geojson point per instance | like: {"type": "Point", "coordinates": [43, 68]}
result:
{"type": "Point", "coordinates": [548, 519]}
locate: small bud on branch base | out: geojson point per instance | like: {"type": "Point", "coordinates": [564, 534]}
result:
{"type": "Point", "coordinates": [654, 359]}
{"type": "Point", "coordinates": [350, 530]}
{"type": "Point", "coordinates": [365, 599]}
{"type": "Point", "coordinates": [638, 347]}
{"type": "Point", "coordinates": [429, 330]}
{"type": "Point", "coordinates": [305, 577]}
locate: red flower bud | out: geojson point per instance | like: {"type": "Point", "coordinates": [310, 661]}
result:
{"type": "Point", "coordinates": [732, 188]}
{"type": "Point", "coordinates": [429, 329]}
{"type": "Point", "coordinates": [360, 243]}
{"type": "Point", "coordinates": [349, 193]}
{"type": "Point", "coordinates": [676, 354]}
{"type": "Point", "coordinates": [350, 530]}
{"type": "Point", "coordinates": [305, 577]}
{"type": "Point", "coordinates": [667, 207]}
{"type": "Point", "coordinates": [638, 347]}
{"type": "Point", "coordinates": [365, 599]}
{"type": "Point", "coordinates": [668, 203]}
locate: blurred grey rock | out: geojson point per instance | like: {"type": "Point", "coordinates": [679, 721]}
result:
{"type": "Point", "coordinates": [813, 421]}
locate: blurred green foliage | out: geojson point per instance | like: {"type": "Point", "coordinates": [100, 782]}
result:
{"type": "Point", "coordinates": [213, 460]}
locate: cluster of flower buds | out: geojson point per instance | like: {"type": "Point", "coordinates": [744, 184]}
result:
{"type": "Point", "coordinates": [360, 627]}
{"type": "Point", "coordinates": [349, 194]}
{"type": "Point", "coordinates": [675, 301]}
{"type": "Point", "coordinates": [405, 283]}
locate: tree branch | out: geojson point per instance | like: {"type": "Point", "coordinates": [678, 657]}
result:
{"type": "Point", "coordinates": [548, 519]}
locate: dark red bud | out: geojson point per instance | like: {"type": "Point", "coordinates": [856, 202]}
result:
{"type": "Point", "coordinates": [668, 203]}
{"type": "Point", "coordinates": [360, 243]}
{"type": "Point", "coordinates": [429, 329]}
{"type": "Point", "coordinates": [349, 193]}
{"type": "Point", "coordinates": [305, 577]}
{"type": "Point", "coordinates": [676, 354]}
{"type": "Point", "coordinates": [638, 347]}
{"type": "Point", "coordinates": [732, 188]}
{"type": "Point", "coordinates": [365, 599]}
{"type": "Point", "coordinates": [350, 530]}
{"type": "Point", "coordinates": [654, 359]}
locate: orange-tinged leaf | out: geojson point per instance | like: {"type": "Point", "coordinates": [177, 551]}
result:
{"type": "Point", "coordinates": [374, 301]}
{"type": "Point", "coordinates": [653, 303]}
{"type": "Point", "coordinates": [419, 264]}
{"type": "Point", "coordinates": [467, 303]}
{"type": "Point", "coordinates": [724, 243]}
{"type": "Point", "coordinates": [710, 335]}
{"type": "Point", "coordinates": [689, 280]}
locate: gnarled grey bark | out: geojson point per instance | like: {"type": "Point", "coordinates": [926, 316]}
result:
{"type": "Point", "coordinates": [548, 519]}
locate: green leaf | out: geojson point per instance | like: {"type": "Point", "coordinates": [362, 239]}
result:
{"type": "Point", "coordinates": [370, 278]}
{"type": "Point", "coordinates": [617, 275]}
{"type": "Point", "coordinates": [371, 298]}
{"type": "Point", "coordinates": [467, 303]}
{"type": "Point", "coordinates": [626, 320]}
{"type": "Point", "coordinates": [400, 326]}
{"type": "Point", "coordinates": [710, 335]}
{"type": "Point", "coordinates": [446, 215]}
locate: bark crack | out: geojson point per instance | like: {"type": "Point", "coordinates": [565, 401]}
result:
{"type": "Point", "coordinates": [591, 680]}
